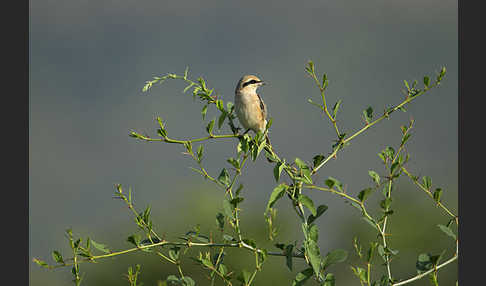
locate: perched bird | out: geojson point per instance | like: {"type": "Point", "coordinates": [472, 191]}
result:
{"type": "Point", "coordinates": [249, 106]}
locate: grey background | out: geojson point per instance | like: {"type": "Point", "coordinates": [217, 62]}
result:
{"type": "Point", "coordinates": [90, 59]}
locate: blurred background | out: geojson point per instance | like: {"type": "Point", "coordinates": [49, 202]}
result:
{"type": "Point", "coordinates": [89, 61]}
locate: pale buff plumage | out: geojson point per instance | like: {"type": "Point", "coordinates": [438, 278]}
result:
{"type": "Point", "coordinates": [249, 106]}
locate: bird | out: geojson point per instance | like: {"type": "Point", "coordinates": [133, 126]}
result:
{"type": "Point", "coordinates": [249, 106]}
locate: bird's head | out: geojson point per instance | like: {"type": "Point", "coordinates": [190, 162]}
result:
{"type": "Point", "coordinates": [248, 84]}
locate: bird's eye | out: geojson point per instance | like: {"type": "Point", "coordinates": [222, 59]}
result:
{"type": "Point", "coordinates": [249, 82]}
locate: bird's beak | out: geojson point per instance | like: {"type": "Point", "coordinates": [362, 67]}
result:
{"type": "Point", "coordinates": [262, 83]}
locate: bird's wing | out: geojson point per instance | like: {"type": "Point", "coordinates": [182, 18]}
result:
{"type": "Point", "coordinates": [263, 107]}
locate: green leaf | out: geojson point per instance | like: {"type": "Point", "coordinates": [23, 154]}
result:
{"type": "Point", "coordinates": [228, 209]}
{"type": "Point", "coordinates": [244, 277]}
{"type": "Point", "coordinates": [288, 254]}
{"type": "Point", "coordinates": [196, 235]}
{"type": "Point", "coordinates": [437, 194]}
{"type": "Point", "coordinates": [320, 210]}
{"type": "Point", "coordinates": [234, 162]}
{"type": "Point", "coordinates": [414, 84]}
{"type": "Point", "coordinates": [240, 187]}
{"type": "Point", "coordinates": [221, 119]}
{"type": "Point", "coordinates": [374, 175]}
{"type": "Point", "coordinates": [313, 103]}
{"type": "Point", "coordinates": [188, 146]}
{"type": "Point", "coordinates": [220, 105]}
{"type": "Point", "coordinates": [41, 262]}
{"type": "Point", "coordinates": [172, 279]}
{"type": "Point", "coordinates": [331, 182]}
{"type": "Point", "coordinates": [447, 231]}
{"type": "Point", "coordinates": [394, 167]}
{"type": "Point", "coordinates": [206, 262]}
{"type": "Point", "coordinates": [187, 281]}
{"type": "Point", "coordinates": [313, 253]}
{"type": "Point", "coordinates": [383, 281]}
{"type": "Point", "coordinates": [427, 182]}
{"type": "Point", "coordinates": [222, 269]}
{"type": "Point", "coordinates": [310, 68]}
{"type": "Point", "coordinates": [188, 87]}
{"type": "Point", "coordinates": [311, 248]}
{"type": "Point", "coordinates": [406, 84]}
{"type": "Point", "coordinates": [269, 123]}
{"type": "Point", "coordinates": [318, 159]}
{"type": "Point", "coordinates": [382, 156]}
{"type": "Point", "coordinates": [368, 114]}
{"type": "Point", "coordinates": [404, 128]}
{"type": "Point", "coordinates": [363, 195]}
{"type": "Point", "coordinates": [162, 132]}
{"type": "Point", "coordinates": [305, 179]}
{"type": "Point", "coordinates": [371, 251]}
{"type": "Point", "coordinates": [261, 145]}
{"type": "Point", "coordinates": [313, 233]}
{"type": "Point", "coordinates": [224, 178]}
{"type": "Point", "coordinates": [301, 164]}
{"type": "Point", "coordinates": [381, 252]}
{"type": "Point", "coordinates": [57, 256]}
{"type": "Point", "coordinates": [335, 108]}
{"type": "Point", "coordinates": [389, 152]}
{"type": "Point", "coordinates": [443, 71]}
{"type": "Point", "coordinates": [174, 253]}
{"type": "Point", "coordinates": [357, 247]}
{"type": "Point", "coordinates": [423, 263]}
{"type": "Point", "coordinates": [426, 81]}
{"type": "Point", "coordinates": [329, 280]}
{"type": "Point", "coordinates": [210, 126]}
{"type": "Point", "coordinates": [76, 245]}
{"type": "Point", "coordinates": [391, 251]}
{"type": "Point", "coordinates": [385, 204]}
{"type": "Point", "coordinates": [204, 111]}
{"type": "Point", "coordinates": [244, 144]}
{"type": "Point", "coordinates": [220, 221]}
{"type": "Point", "coordinates": [100, 247]}
{"type": "Point", "coordinates": [277, 193]}
{"type": "Point", "coordinates": [335, 256]}
{"type": "Point", "coordinates": [229, 106]}
{"type": "Point", "coordinates": [302, 277]}
{"type": "Point", "coordinates": [360, 273]}
{"type": "Point", "coordinates": [270, 157]}
{"type": "Point", "coordinates": [436, 258]}
{"type": "Point", "coordinates": [308, 203]}
{"type": "Point", "coordinates": [405, 138]}
{"type": "Point", "coordinates": [277, 170]}
{"type": "Point", "coordinates": [200, 150]}
{"type": "Point", "coordinates": [325, 82]}
{"type": "Point", "coordinates": [236, 201]}
{"type": "Point", "coordinates": [370, 222]}
{"type": "Point", "coordinates": [134, 239]}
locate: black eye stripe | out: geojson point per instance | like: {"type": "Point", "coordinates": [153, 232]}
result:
{"type": "Point", "coordinates": [250, 82]}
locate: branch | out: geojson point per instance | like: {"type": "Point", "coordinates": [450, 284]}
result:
{"type": "Point", "coordinates": [168, 140]}
{"type": "Point", "coordinates": [427, 191]}
{"type": "Point", "coordinates": [239, 244]}
{"type": "Point", "coordinates": [427, 272]}
{"type": "Point", "coordinates": [386, 114]}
